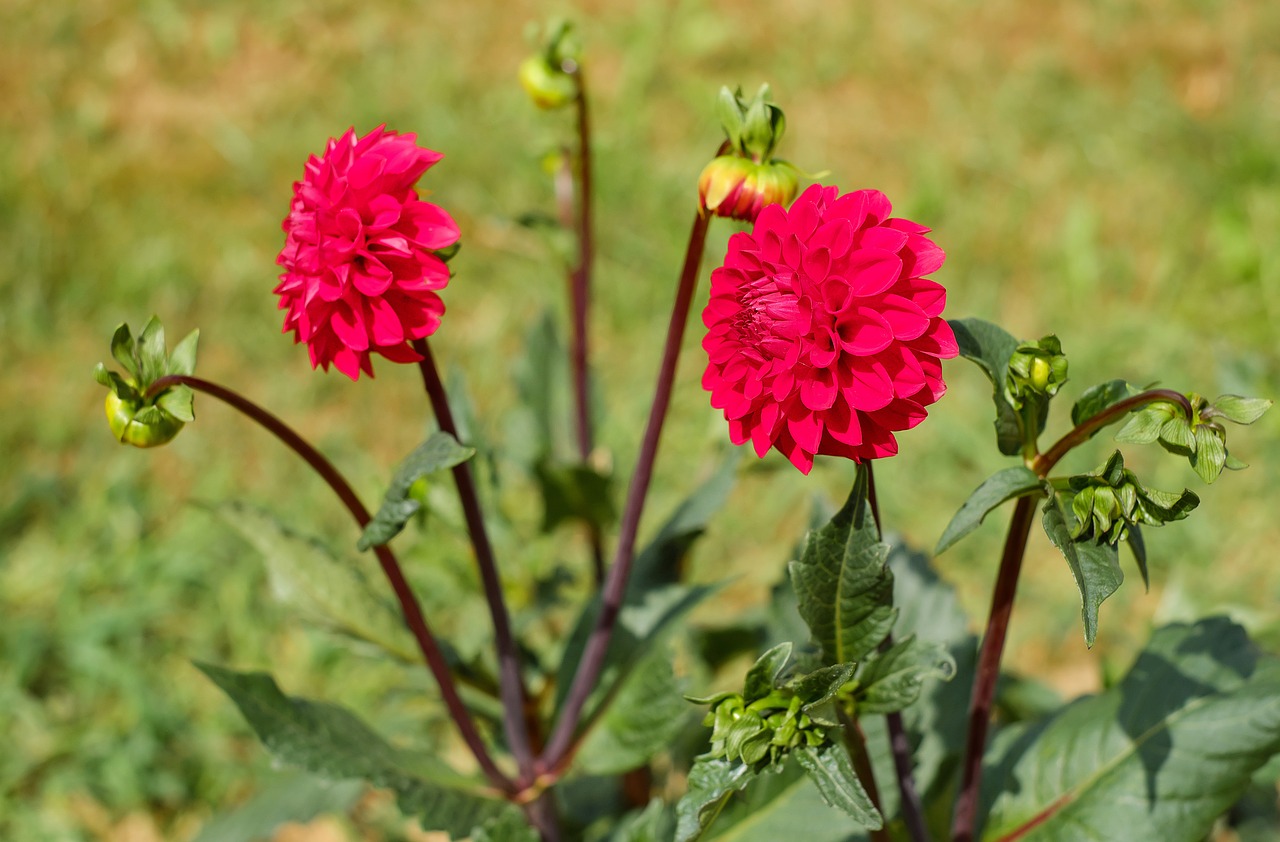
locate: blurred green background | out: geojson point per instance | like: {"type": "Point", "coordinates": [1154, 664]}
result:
{"type": "Point", "coordinates": [1109, 171]}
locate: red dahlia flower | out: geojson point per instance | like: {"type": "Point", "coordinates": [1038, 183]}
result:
{"type": "Point", "coordinates": [360, 269]}
{"type": "Point", "coordinates": [822, 333]}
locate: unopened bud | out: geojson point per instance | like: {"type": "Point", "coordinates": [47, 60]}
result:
{"type": "Point", "coordinates": [1035, 368]}
{"type": "Point", "coordinates": [738, 188]}
{"type": "Point", "coordinates": [138, 425]}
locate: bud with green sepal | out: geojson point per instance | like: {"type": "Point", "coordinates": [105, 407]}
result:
{"type": "Point", "coordinates": [137, 417]}
{"type": "Point", "coordinates": [1035, 373]}
{"type": "Point", "coordinates": [1109, 502]}
{"type": "Point", "coordinates": [1202, 438]}
{"type": "Point", "coordinates": [744, 180]}
{"type": "Point", "coordinates": [549, 76]}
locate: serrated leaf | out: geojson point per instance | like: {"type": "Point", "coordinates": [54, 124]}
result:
{"type": "Point", "coordinates": [844, 586]}
{"type": "Point", "coordinates": [762, 678]}
{"type": "Point", "coordinates": [645, 718]}
{"type": "Point", "coordinates": [293, 797]}
{"type": "Point", "coordinates": [1096, 567]}
{"type": "Point", "coordinates": [711, 782]}
{"type": "Point", "coordinates": [1100, 397]}
{"type": "Point", "coordinates": [891, 680]}
{"type": "Point", "coordinates": [122, 348]}
{"type": "Point", "coordinates": [183, 358]}
{"type": "Point", "coordinates": [331, 741]}
{"type": "Point", "coordinates": [306, 574]}
{"type": "Point", "coordinates": [831, 770]}
{"type": "Point", "coordinates": [1210, 454]}
{"type": "Point", "coordinates": [1241, 410]}
{"type": "Point", "coordinates": [990, 347]}
{"type": "Point", "coordinates": [995, 489]}
{"type": "Point", "coordinates": [822, 684]}
{"type": "Point", "coordinates": [1160, 755]}
{"type": "Point", "coordinates": [438, 452]}
{"type": "Point", "coordinates": [178, 401]}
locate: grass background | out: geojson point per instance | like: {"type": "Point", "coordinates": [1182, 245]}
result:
{"type": "Point", "coordinates": [1109, 171]}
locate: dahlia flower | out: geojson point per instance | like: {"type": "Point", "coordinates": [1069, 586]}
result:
{"type": "Point", "coordinates": [823, 335]}
{"type": "Point", "coordinates": [360, 263]}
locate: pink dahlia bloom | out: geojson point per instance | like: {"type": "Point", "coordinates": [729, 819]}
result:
{"type": "Point", "coordinates": [360, 269]}
{"type": "Point", "coordinates": [823, 335]}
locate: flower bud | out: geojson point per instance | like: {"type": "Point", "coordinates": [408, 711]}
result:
{"type": "Point", "coordinates": [548, 76]}
{"type": "Point", "coordinates": [136, 417]}
{"type": "Point", "coordinates": [738, 188]}
{"type": "Point", "coordinates": [139, 425]}
{"type": "Point", "coordinates": [1035, 369]}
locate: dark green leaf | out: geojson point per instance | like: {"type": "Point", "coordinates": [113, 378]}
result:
{"type": "Point", "coordinates": [1241, 410]}
{"type": "Point", "coordinates": [122, 349]}
{"type": "Point", "coordinates": [990, 347]}
{"type": "Point", "coordinates": [294, 797]}
{"type": "Point", "coordinates": [305, 574]}
{"type": "Point", "coordinates": [1139, 549]}
{"type": "Point", "coordinates": [891, 680]}
{"type": "Point", "coordinates": [1097, 398]}
{"type": "Point", "coordinates": [1096, 567]}
{"type": "Point", "coordinates": [332, 742]}
{"type": "Point", "coordinates": [1156, 758]}
{"type": "Point", "coordinates": [645, 718]}
{"type": "Point", "coordinates": [438, 452]}
{"type": "Point", "coordinates": [844, 587]}
{"type": "Point", "coordinates": [178, 401]}
{"type": "Point", "coordinates": [711, 783]}
{"type": "Point", "coordinates": [574, 492]}
{"type": "Point", "coordinates": [831, 770]}
{"type": "Point", "coordinates": [762, 678]}
{"type": "Point", "coordinates": [822, 684]}
{"type": "Point", "coordinates": [183, 358]}
{"type": "Point", "coordinates": [996, 489]}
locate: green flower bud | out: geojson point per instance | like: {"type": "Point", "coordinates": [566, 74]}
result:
{"type": "Point", "coordinates": [1110, 501]}
{"type": "Point", "coordinates": [746, 179]}
{"type": "Point", "coordinates": [547, 85]}
{"type": "Point", "coordinates": [136, 417]}
{"type": "Point", "coordinates": [139, 425]}
{"type": "Point", "coordinates": [1035, 369]}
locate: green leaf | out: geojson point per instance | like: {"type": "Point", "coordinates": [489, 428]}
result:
{"type": "Point", "coordinates": [711, 783]}
{"type": "Point", "coordinates": [646, 717]}
{"type": "Point", "coordinates": [122, 349]}
{"type": "Point", "coordinates": [1144, 426]}
{"type": "Point", "coordinates": [990, 347]}
{"type": "Point", "coordinates": [178, 401]}
{"type": "Point", "coordinates": [1139, 549]}
{"type": "Point", "coordinates": [655, 823]}
{"type": "Point", "coordinates": [1097, 398]}
{"type": "Point", "coordinates": [768, 809]}
{"type": "Point", "coordinates": [995, 489]}
{"type": "Point", "coordinates": [844, 586]}
{"type": "Point", "coordinates": [304, 573]}
{"type": "Point", "coordinates": [542, 381]}
{"type": "Point", "coordinates": [1096, 567]}
{"type": "Point", "coordinates": [1158, 757]}
{"type": "Point", "coordinates": [438, 452]}
{"type": "Point", "coordinates": [831, 770]}
{"type": "Point", "coordinates": [152, 354]}
{"type": "Point", "coordinates": [183, 358]}
{"type": "Point", "coordinates": [293, 797]}
{"type": "Point", "coordinates": [1241, 410]}
{"type": "Point", "coordinates": [762, 678]}
{"type": "Point", "coordinates": [1210, 453]}
{"type": "Point", "coordinates": [509, 826]}
{"type": "Point", "coordinates": [821, 685]}
{"type": "Point", "coordinates": [891, 680]}
{"type": "Point", "coordinates": [332, 742]}
{"type": "Point", "coordinates": [574, 492]}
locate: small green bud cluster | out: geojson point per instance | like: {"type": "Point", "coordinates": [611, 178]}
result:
{"type": "Point", "coordinates": [767, 727]}
{"type": "Point", "coordinates": [548, 76]}
{"type": "Point", "coordinates": [135, 417]}
{"type": "Point", "coordinates": [1111, 501]}
{"type": "Point", "coordinates": [1035, 369]}
{"type": "Point", "coordinates": [1202, 438]}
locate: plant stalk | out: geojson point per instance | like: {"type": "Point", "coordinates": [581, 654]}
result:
{"type": "Point", "coordinates": [560, 745]}
{"type": "Point", "coordinates": [510, 682]}
{"type": "Point", "coordinates": [409, 607]}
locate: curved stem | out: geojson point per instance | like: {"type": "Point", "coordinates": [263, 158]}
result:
{"type": "Point", "coordinates": [413, 616]}
{"type": "Point", "coordinates": [562, 738]}
{"type": "Point", "coordinates": [510, 682]}
{"type": "Point", "coordinates": [988, 670]}
{"type": "Point", "coordinates": [1045, 461]}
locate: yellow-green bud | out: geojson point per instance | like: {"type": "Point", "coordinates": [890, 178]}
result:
{"type": "Point", "coordinates": [547, 85]}
{"type": "Point", "coordinates": [140, 426]}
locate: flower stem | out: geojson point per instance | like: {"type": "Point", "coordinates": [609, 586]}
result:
{"type": "Point", "coordinates": [1045, 461]}
{"type": "Point", "coordinates": [510, 682]}
{"type": "Point", "coordinates": [409, 607]}
{"type": "Point", "coordinates": [899, 743]}
{"type": "Point", "coordinates": [988, 670]}
{"type": "Point", "coordinates": [560, 745]}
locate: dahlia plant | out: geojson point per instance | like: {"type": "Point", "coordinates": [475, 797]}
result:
{"type": "Point", "coordinates": [870, 711]}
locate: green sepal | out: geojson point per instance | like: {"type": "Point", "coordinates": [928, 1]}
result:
{"type": "Point", "coordinates": [1210, 452]}
{"type": "Point", "coordinates": [123, 352]}
{"type": "Point", "coordinates": [178, 401]}
{"type": "Point", "coordinates": [1239, 409]}
{"type": "Point", "coordinates": [438, 452]}
{"type": "Point", "coordinates": [183, 359]}
{"type": "Point", "coordinates": [120, 387]}
{"type": "Point", "coordinates": [150, 351]}
{"type": "Point", "coordinates": [998, 488]}
{"type": "Point", "coordinates": [1145, 425]}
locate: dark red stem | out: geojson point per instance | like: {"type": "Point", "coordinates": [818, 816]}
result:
{"type": "Point", "coordinates": [560, 745]}
{"type": "Point", "coordinates": [412, 613]}
{"type": "Point", "coordinates": [510, 682]}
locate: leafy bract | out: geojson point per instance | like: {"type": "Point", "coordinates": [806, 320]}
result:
{"type": "Point", "coordinates": [1156, 758]}
{"type": "Point", "coordinates": [330, 741]}
{"type": "Point", "coordinates": [438, 452]}
{"type": "Point", "coordinates": [995, 489]}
